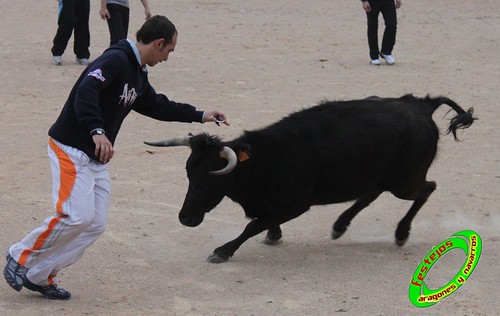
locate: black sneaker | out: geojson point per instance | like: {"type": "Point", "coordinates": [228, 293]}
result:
{"type": "Point", "coordinates": [51, 292]}
{"type": "Point", "coordinates": [14, 273]}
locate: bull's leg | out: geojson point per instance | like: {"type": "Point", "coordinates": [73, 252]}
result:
{"type": "Point", "coordinates": [224, 252]}
{"type": "Point", "coordinates": [403, 230]}
{"type": "Point", "coordinates": [256, 226]}
{"type": "Point", "coordinates": [345, 218]}
{"type": "Point", "coordinates": [273, 235]}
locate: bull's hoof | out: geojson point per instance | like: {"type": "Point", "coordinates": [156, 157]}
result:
{"type": "Point", "coordinates": [273, 236]}
{"type": "Point", "coordinates": [401, 242]}
{"type": "Point", "coordinates": [337, 234]}
{"type": "Point", "coordinates": [402, 236]}
{"type": "Point", "coordinates": [213, 258]}
{"type": "Point", "coordinates": [271, 242]}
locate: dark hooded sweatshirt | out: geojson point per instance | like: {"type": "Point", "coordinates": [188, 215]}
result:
{"type": "Point", "coordinates": [109, 88]}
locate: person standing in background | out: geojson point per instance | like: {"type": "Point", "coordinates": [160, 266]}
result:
{"type": "Point", "coordinates": [117, 14]}
{"type": "Point", "coordinates": [388, 10]}
{"type": "Point", "coordinates": [73, 18]}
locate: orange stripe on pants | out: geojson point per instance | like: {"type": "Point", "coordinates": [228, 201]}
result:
{"type": "Point", "coordinates": [68, 176]}
{"type": "Point", "coordinates": [67, 180]}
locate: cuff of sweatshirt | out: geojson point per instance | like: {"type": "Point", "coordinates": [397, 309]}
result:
{"type": "Point", "coordinates": [93, 128]}
{"type": "Point", "coordinates": [202, 120]}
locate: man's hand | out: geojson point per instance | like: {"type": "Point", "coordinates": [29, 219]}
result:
{"type": "Point", "coordinates": [214, 116]}
{"type": "Point", "coordinates": [103, 148]}
{"type": "Point", "coordinates": [366, 6]}
{"type": "Point", "coordinates": [103, 12]}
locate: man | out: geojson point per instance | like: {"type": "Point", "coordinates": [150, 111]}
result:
{"type": "Point", "coordinates": [73, 18]}
{"type": "Point", "coordinates": [388, 9]}
{"type": "Point", "coordinates": [81, 144]}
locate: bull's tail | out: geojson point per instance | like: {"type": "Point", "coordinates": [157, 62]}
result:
{"type": "Point", "coordinates": [462, 120]}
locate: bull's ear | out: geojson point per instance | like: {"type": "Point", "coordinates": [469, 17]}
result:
{"type": "Point", "coordinates": [243, 152]}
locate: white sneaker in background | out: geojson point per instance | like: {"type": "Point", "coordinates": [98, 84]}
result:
{"type": "Point", "coordinates": [83, 61]}
{"type": "Point", "coordinates": [375, 62]}
{"type": "Point", "coordinates": [389, 59]}
{"type": "Point", "coordinates": [57, 60]}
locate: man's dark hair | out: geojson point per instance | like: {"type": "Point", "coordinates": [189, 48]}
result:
{"type": "Point", "coordinates": [154, 28]}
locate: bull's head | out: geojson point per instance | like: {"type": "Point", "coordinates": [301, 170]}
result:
{"type": "Point", "coordinates": [208, 170]}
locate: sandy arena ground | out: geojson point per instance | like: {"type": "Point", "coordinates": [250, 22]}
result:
{"type": "Point", "coordinates": [257, 61]}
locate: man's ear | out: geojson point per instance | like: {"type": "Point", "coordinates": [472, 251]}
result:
{"type": "Point", "coordinates": [243, 152]}
{"type": "Point", "coordinates": [161, 42]}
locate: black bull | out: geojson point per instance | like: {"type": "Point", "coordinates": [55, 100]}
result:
{"type": "Point", "coordinates": [330, 153]}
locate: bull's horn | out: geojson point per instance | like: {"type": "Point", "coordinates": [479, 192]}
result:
{"type": "Point", "coordinates": [228, 154]}
{"type": "Point", "coordinates": [178, 141]}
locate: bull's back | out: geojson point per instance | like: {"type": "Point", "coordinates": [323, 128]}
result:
{"type": "Point", "coordinates": [339, 151]}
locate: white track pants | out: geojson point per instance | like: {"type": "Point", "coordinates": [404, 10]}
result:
{"type": "Point", "coordinates": [81, 191]}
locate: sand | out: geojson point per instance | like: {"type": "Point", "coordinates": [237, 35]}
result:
{"type": "Point", "coordinates": [257, 61]}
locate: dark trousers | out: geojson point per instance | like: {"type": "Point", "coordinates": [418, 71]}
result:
{"type": "Point", "coordinates": [73, 18]}
{"type": "Point", "coordinates": [388, 10]}
{"type": "Point", "coordinates": [117, 22]}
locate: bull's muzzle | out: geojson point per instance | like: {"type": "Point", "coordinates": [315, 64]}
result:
{"type": "Point", "coordinates": [190, 221]}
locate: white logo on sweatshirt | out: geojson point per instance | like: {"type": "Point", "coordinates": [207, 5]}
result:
{"type": "Point", "coordinates": [97, 74]}
{"type": "Point", "coordinates": [128, 96]}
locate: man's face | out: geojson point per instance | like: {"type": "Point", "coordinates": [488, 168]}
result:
{"type": "Point", "coordinates": [161, 51]}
